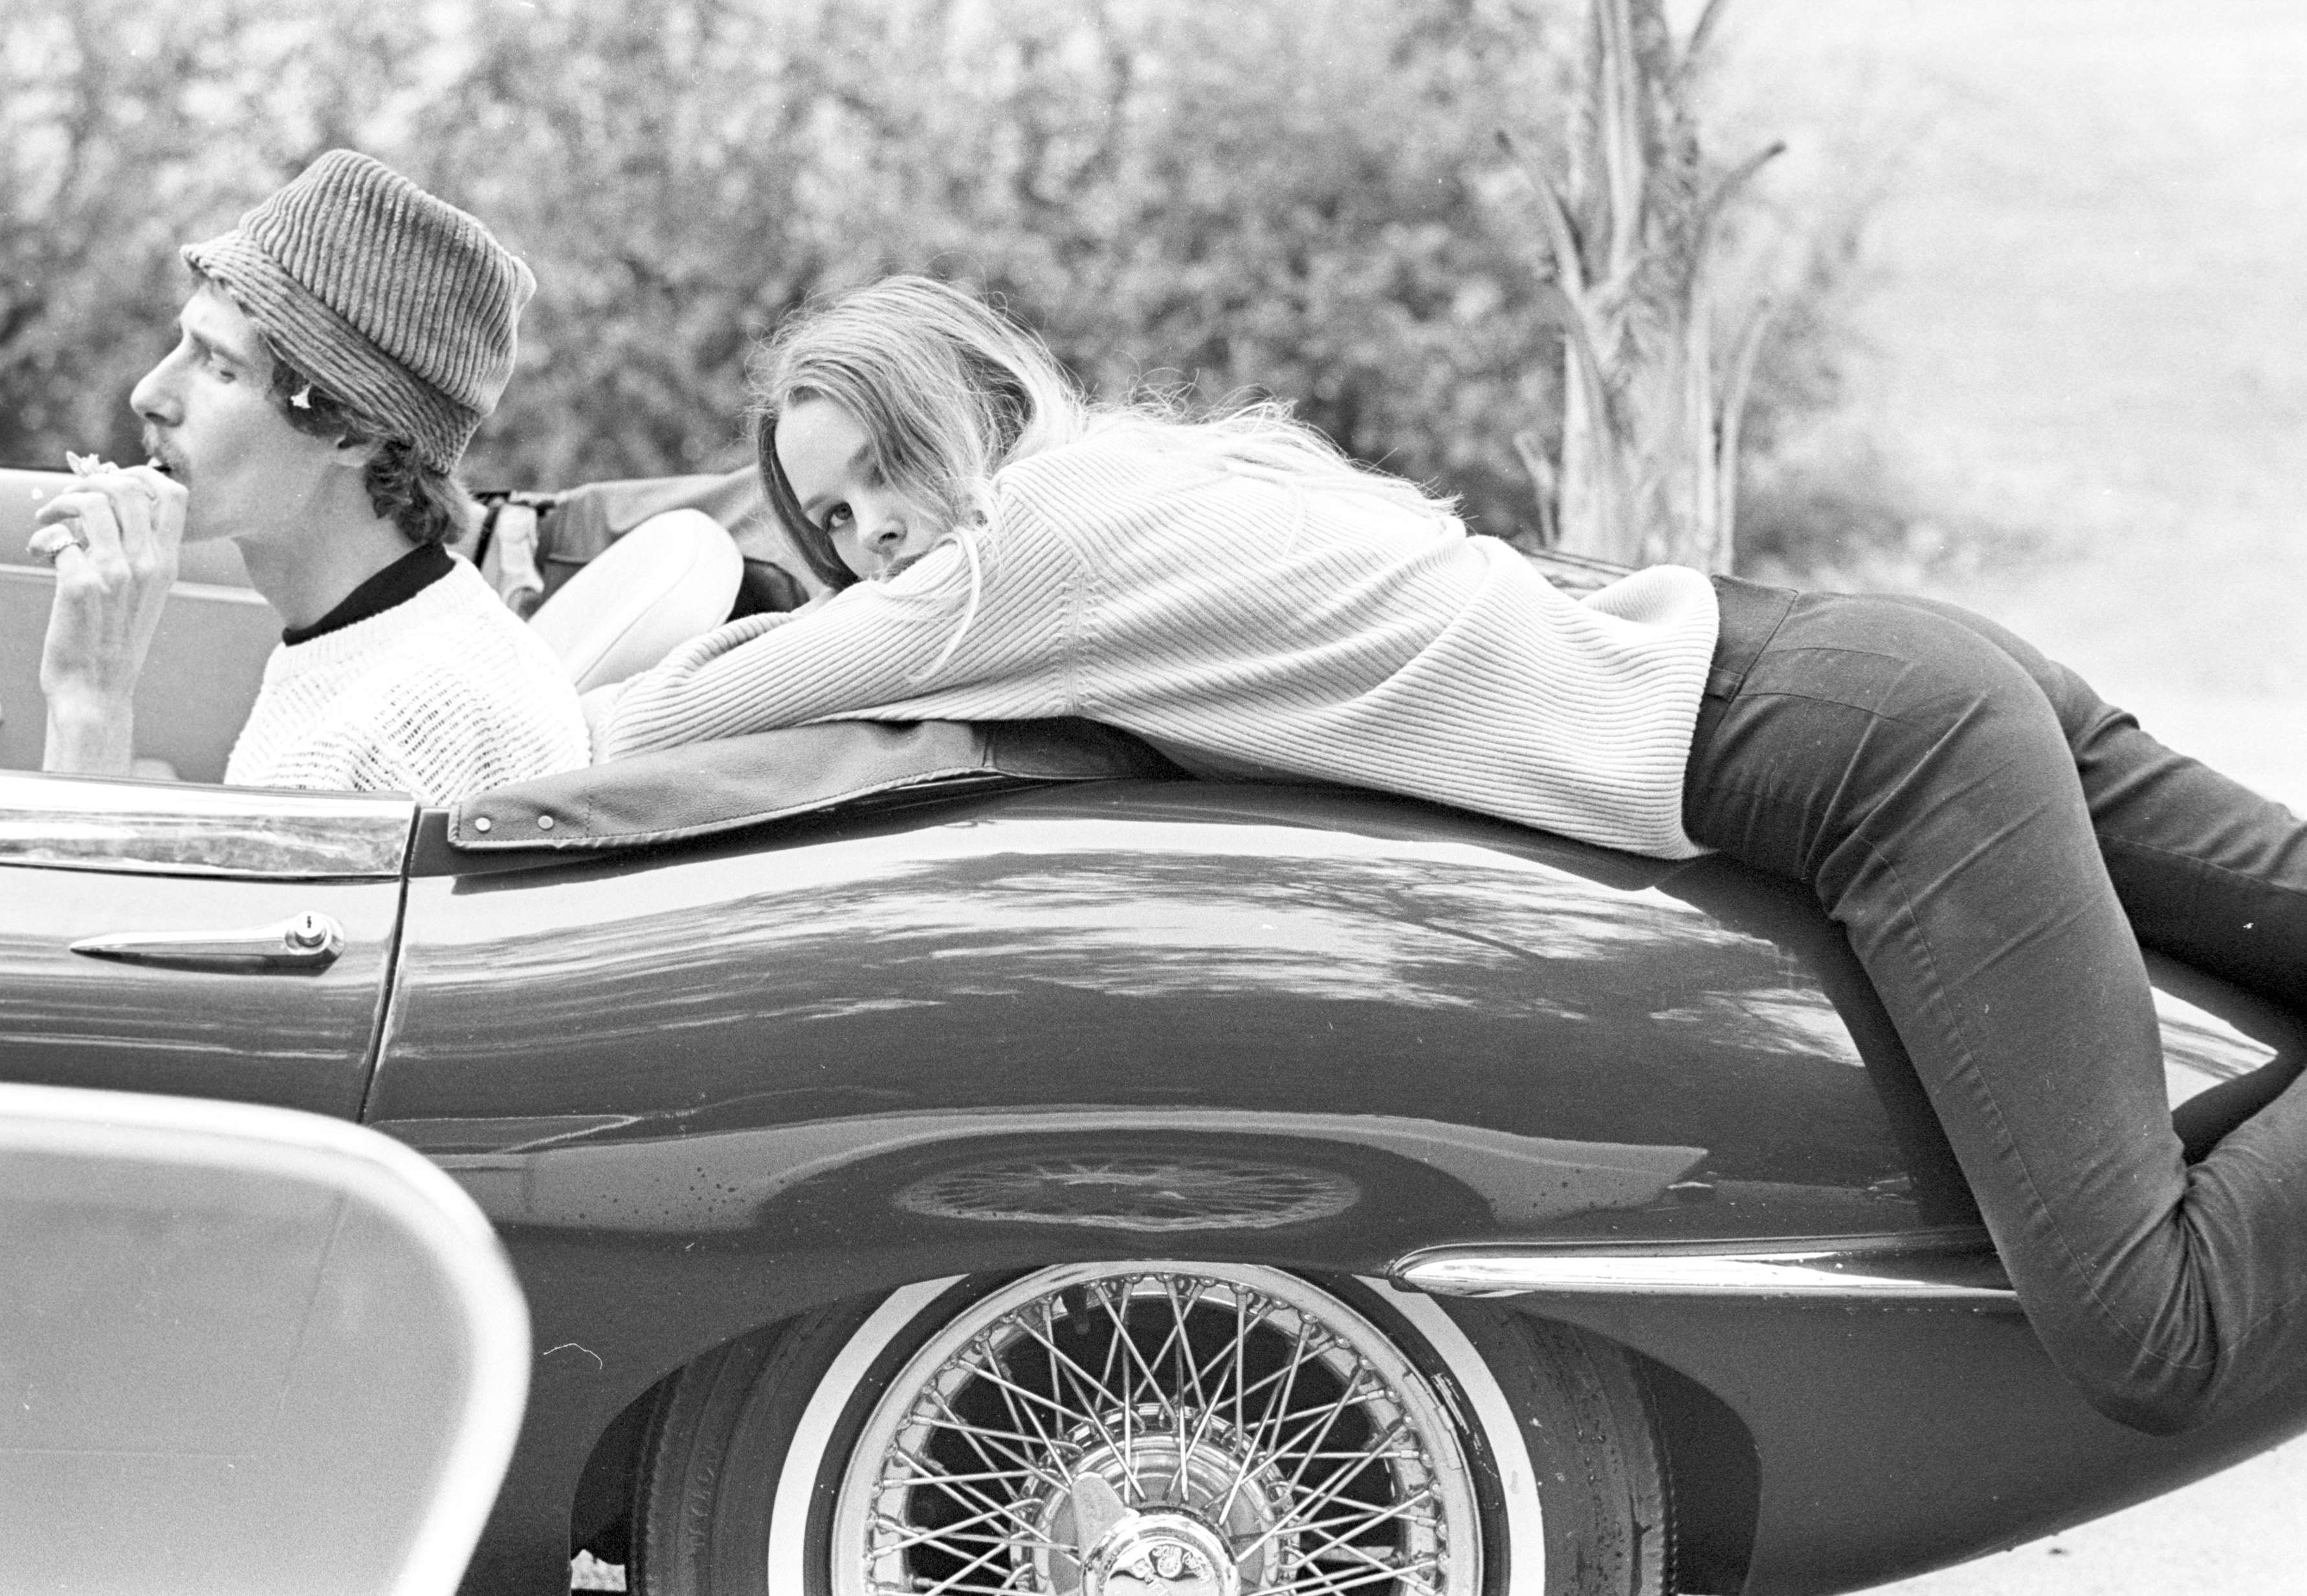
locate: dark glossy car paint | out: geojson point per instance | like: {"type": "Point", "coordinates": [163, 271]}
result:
{"type": "Point", "coordinates": [705, 1087]}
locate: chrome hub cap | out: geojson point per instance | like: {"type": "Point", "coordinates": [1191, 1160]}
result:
{"type": "Point", "coordinates": [1208, 1499]}
{"type": "Point", "coordinates": [1160, 1554]}
{"type": "Point", "coordinates": [1157, 1430]}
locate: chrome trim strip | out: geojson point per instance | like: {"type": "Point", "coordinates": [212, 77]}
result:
{"type": "Point", "coordinates": [140, 828]}
{"type": "Point", "coordinates": [1822, 1275]}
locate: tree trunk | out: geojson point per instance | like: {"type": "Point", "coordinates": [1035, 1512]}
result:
{"type": "Point", "coordinates": [1650, 431]}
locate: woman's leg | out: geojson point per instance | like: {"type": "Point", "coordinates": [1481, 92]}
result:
{"type": "Point", "coordinates": [1910, 772]}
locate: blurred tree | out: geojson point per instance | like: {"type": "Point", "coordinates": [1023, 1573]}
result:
{"type": "Point", "coordinates": [646, 161]}
{"type": "Point", "coordinates": [1215, 197]}
{"type": "Point", "coordinates": [84, 188]}
{"type": "Point", "coordinates": [1304, 199]}
{"type": "Point", "coordinates": [127, 130]}
{"type": "Point", "coordinates": [1646, 464]}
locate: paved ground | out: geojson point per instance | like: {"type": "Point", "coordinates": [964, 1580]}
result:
{"type": "Point", "coordinates": [2090, 319]}
{"type": "Point", "coordinates": [2089, 312]}
{"type": "Point", "coordinates": [2235, 1532]}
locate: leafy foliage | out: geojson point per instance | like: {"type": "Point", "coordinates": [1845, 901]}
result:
{"type": "Point", "coordinates": [1307, 198]}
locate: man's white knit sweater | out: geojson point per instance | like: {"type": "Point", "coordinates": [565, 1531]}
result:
{"type": "Point", "coordinates": [443, 694]}
{"type": "Point", "coordinates": [1243, 624]}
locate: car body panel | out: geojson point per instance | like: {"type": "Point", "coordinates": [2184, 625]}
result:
{"type": "Point", "coordinates": [292, 1040]}
{"type": "Point", "coordinates": [1896, 1438]}
{"type": "Point", "coordinates": [1148, 946]}
{"type": "Point", "coordinates": [1324, 1029]}
{"type": "Point", "coordinates": [142, 930]}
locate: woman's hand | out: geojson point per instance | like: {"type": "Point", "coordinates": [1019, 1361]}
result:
{"type": "Point", "coordinates": [113, 538]}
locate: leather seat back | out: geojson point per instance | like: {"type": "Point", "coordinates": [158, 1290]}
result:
{"type": "Point", "coordinates": [671, 578]}
{"type": "Point", "coordinates": [248, 1349]}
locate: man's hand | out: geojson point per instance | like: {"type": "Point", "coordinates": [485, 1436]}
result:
{"type": "Point", "coordinates": [113, 539]}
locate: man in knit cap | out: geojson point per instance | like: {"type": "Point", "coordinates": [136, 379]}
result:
{"type": "Point", "coordinates": [339, 348]}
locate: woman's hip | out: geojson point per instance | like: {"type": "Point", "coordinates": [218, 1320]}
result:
{"type": "Point", "coordinates": [1831, 719]}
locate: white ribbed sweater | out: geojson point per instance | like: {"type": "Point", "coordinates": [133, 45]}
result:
{"type": "Point", "coordinates": [1243, 626]}
{"type": "Point", "coordinates": [443, 694]}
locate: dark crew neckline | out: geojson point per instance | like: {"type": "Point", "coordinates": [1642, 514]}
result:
{"type": "Point", "coordinates": [396, 584]}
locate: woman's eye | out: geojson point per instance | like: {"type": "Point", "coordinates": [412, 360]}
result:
{"type": "Point", "coordinates": [837, 518]}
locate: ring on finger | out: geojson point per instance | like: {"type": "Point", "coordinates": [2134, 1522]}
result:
{"type": "Point", "coordinates": [51, 541]}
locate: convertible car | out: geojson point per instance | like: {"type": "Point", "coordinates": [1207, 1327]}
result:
{"type": "Point", "coordinates": [984, 1160]}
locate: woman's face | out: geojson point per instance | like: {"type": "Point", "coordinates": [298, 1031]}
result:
{"type": "Point", "coordinates": [828, 460]}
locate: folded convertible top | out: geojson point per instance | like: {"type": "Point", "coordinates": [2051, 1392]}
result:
{"type": "Point", "coordinates": [712, 787]}
{"type": "Point", "coordinates": [567, 528]}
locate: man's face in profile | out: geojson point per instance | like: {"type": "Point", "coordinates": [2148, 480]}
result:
{"type": "Point", "coordinates": [211, 419]}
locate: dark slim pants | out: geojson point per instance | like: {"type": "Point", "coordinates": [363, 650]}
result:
{"type": "Point", "coordinates": [1998, 843]}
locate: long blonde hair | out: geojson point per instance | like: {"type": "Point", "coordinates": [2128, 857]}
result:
{"type": "Point", "coordinates": [948, 391]}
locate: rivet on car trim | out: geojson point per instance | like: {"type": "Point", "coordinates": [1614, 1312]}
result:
{"type": "Point", "coordinates": [544, 822]}
{"type": "Point", "coordinates": [481, 822]}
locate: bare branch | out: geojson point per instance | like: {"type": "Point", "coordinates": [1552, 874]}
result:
{"type": "Point", "coordinates": [1618, 101]}
{"type": "Point", "coordinates": [1701, 34]}
{"type": "Point", "coordinates": [1561, 230]}
{"type": "Point", "coordinates": [1731, 407]}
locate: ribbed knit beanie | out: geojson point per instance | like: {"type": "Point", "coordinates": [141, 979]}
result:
{"type": "Point", "coordinates": [397, 303]}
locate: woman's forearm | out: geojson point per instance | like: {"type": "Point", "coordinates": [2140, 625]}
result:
{"type": "Point", "coordinates": [703, 690]}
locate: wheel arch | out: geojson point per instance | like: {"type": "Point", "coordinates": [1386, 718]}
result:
{"type": "Point", "coordinates": [600, 1515]}
{"type": "Point", "coordinates": [600, 1510]}
{"type": "Point", "coordinates": [1714, 1479]}
{"type": "Point", "coordinates": [1708, 1453]}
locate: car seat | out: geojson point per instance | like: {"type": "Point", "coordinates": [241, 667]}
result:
{"type": "Point", "coordinates": [248, 1349]}
{"type": "Point", "coordinates": [671, 578]}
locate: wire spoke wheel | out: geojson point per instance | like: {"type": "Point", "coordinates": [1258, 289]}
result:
{"type": "Point", "coordinates": [1152, 1429]}
{"type": "Point", "coordinates": [1097, 1430]}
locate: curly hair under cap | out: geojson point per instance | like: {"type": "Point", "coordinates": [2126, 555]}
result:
{"type": "Point", "coordinates": [947, 390]}
{"type": "Point", "coordinates": [429, 505]}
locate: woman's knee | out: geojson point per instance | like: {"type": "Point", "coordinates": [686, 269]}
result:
{"type": "Point", "coordinates": [2159, 1398]}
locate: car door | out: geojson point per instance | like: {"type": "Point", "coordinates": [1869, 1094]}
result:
{"type": "Point", "coordinates": [198, 940]}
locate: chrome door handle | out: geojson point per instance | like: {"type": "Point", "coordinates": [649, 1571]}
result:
{"type": "Point", "coordinates": [306, 943]}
